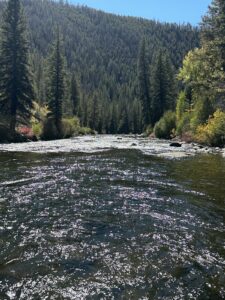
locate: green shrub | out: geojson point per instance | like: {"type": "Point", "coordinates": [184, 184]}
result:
{"type": "Point", "coordinates": [37, 129]}
{"type": "Point", "coordinates": [183, 124]}
{"type": "Point", "coordinates": [148, 131]}
{"type": "Point", "coordinates": [70, 127]}
{"type": "Point", "coordinates": [212, 133]}
{"type": "Point", "coordinates": [165, 127]}
{"type": "Point", "coordinates": [202, 110]}
{"type": "Point", "coordinates": [86, 131]}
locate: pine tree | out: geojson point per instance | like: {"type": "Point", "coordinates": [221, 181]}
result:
{"type": "Point", "coordinates": [159, 90]}
{"type": "Point", "coordinates": [56, 77]}
{"type": "Point", "coordinates": [113, 118]}
{"type": "Point", "coordinates": [137, 117]}
{"type": "Point", "coordinates": [213, 42]}
{"type": "Point", "coordinates": [37, 63]}
{"type": "Point", "coordinates": [171, 84]}
{"type": "Point", "coordinates": [94, 112]}
{"type": "Point", "coordinates": [124, 120]}
{"type": "Point", "coordinates": [16, 91]}
{"type": "Point", "coordinates": [163, 87]}
{"type": "Point", "coordinates": [144, 84]}
{"type": "Point", "coordinates": [213, 30]}
{"type": "Point", "coordinates": [74, 95]}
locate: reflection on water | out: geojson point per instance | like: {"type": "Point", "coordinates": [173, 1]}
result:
{"type": "Point", "coordinates": [118, 224]}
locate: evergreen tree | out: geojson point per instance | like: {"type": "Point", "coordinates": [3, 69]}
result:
{"type": "Point", "coordinates": [137, 117]}
{"type": "Point", "coordinates": [81, 110]}
{"type": "Point", "coordinates": [37, 63]}
{"type": "Point", "coordinates": [124, 120]}
{"type": "Point", "coordinates": [94, 113]}
{"type": "Point", "coordinates": [171, 84]}
{"type": "Point", "coordinates": [163, 87]}
{"type": "Point", "coordinates": [213, 42]}
{"type": "Point", "coordinates": [100, 123]}
{"type": "Point", "coordinates": [74, 95]}
{"type": "Point", "coordinates": [16, 92]}
{"type": "Point", "coordinates": [56, 77]}
{"type": "Point", "coordinates": [213, 30]}
{"type": "Point", "coordinates": [113, 119]}
{"type": "Point", "coordinates": [144, 85]}
{"type": "Point", "coordinates": [159, 90]}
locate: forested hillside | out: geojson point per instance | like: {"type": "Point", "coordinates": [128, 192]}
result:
{"type": "Point", "coordinates": [101, 51]}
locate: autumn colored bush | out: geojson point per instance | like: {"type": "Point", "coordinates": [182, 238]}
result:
{"type": "Point", "coordinates": [213, 132]}
{"type": "Point", "coordinates": [165, 127]}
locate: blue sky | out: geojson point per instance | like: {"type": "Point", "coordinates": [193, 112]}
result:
{"type": "Point", "coordinates": [178, 11]}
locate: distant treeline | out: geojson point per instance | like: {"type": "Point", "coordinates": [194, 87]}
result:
{"type": "Point", "coordinates": [65, 69]}
{"type": "Point", "coordinates": [102, 54]}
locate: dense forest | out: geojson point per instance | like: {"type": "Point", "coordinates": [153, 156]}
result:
{"type": "Point", "coordinates": [101, 53]}
{"type": "Point", "coordinates": [74, 66]}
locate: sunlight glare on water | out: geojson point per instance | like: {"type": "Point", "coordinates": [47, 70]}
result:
{"type": "Point", "coordinates": [111, 220]}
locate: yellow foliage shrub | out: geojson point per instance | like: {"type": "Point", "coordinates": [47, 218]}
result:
{"type": "Point", "coordinates": [213, 132]}
{"type": "Point", "coordinates": [70, 127]}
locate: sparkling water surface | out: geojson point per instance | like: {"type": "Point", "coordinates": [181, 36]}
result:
{"type": "Point", "coordinates": [111, 217]}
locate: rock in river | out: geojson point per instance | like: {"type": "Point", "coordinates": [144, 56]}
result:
{"type": "Point", "coordinates": [175, 144]}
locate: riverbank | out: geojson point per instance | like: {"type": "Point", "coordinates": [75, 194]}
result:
{"type": "Point", "coordinates": [43, 130]}
{"type": "Point", "coordinates": [7, 137]}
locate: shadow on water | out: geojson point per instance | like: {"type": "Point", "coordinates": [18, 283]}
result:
{"type": "Point", "coordinates": [204, 174]}
{"type": "Point", "coordinates": [111, 225]}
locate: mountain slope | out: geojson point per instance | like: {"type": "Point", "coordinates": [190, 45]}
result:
{"type": "Point", "coordinates": [103, 48]}
{"type": "Point", "coordinates": [100, 48]}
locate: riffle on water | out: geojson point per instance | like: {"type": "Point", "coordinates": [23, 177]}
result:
{"type": "Point", "coordinates": [111, 218]}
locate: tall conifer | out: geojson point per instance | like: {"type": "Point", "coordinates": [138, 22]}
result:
{"type": "Point", "coordinates": [144, 88]}
{"type": "Point", "coordinates": [171, 94]}
{"type": "Point", "coordinates": [16, 91]}
{"type": "Point", "coordinates": [94, 112]}
{"type": "Point", "coordinates": [213, 30]}
{"type": "Point", "coordinates": [213, 41]}
{"type": "Point", "coordinates": [163, 87]}
{"type": "Point", "coordinates": [74, 95]}
{"type": "Point", "coordinates": [55, 80]}
{"type": "Point", "coordinates": [159, 89]}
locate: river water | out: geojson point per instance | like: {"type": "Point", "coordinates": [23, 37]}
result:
{"type": "Point", "coordinates": [111, 217]}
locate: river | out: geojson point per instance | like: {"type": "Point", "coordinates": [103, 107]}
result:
{"type": "Point", "coordinates": [111, 217]}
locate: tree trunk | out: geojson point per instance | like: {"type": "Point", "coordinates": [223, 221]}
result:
{"type": "Point", "coordinates": [13, 124]}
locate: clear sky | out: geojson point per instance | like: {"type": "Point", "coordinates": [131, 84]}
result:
{"type": "Point", "coordinates": [178, 11]}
